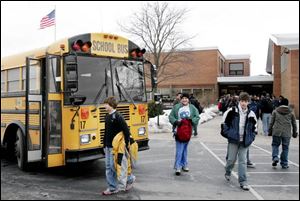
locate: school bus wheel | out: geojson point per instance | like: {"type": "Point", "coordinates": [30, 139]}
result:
{"type": "Point", "coordinates": [20, 150]}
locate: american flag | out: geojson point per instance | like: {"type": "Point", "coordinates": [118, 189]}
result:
{"type": "Point", "coordinates": [48, 20]}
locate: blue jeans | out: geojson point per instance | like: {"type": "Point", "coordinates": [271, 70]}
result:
{"type": "Point", "coordinates": [234, 150]}
{"type": "Point", "coordinates": [181, 154]}
{"type": "Point", "coordinates": [285, 141]}
{"type": "Point", "coordinates": [110, 171]}
{"type": "Point", "coordinates": [115, 183]}
{"type": "Point", "coordinates": [266, 118]}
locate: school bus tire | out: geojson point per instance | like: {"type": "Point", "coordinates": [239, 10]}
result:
{"type": "Point", "coordinates": [20, 150]}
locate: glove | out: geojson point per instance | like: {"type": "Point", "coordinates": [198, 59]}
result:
{"type": "Point", "coordinates": [270, 132]}
{"type": "Point", "coordinates": [177, 123]}
{"type": "Point", "coordinates": [295, 135]}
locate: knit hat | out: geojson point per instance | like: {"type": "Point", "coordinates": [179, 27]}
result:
{"type": "Point", "coordinates": [185, 95]}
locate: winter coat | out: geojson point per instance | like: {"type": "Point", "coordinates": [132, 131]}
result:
{"type": "Point", "coordinates": [120, 153]}
{"type": "Point", "coordinates": [231, 126]}
{"type": "Point", "coordinates": [282, 122]}
{"type": "Point", "coordinates": [115, 123]}
{"type": "Point", "coordinates": [194, 116]}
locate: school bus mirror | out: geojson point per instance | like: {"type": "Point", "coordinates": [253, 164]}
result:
{"type": "Point", "coordinates": [77, 100]}
{"type": "Point", "coordinates": [72, 86]}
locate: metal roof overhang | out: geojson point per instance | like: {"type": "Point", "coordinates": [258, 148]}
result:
{"type": "Point", "coordinates": [260, 79]}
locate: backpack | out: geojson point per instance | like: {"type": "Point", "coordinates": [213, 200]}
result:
{"type": "Point", "coordinates": [219, 106]}
{"type": "Point", "coordinates": [184, 131]}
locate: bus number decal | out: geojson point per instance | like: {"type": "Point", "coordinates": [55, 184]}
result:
{"type": "Point", "coordinates": [82, 124]}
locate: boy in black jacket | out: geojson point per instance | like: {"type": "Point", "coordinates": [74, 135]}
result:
{"type": "Point", "coordinates": [114, 123]}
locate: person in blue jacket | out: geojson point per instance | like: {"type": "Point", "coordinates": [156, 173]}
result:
{"type": "Point", "coordinates": [239, 127]}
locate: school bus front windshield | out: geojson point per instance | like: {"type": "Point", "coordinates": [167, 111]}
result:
{"type": "Point", "coordinates": [100, 77]}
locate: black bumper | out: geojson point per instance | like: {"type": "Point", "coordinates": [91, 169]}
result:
{"type": "Point", "coordinates": [143, 144]}
{"type": "Point", "coordinates": [75, 156]}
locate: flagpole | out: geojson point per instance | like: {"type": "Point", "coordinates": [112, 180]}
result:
{"type": "Point", "coordinates": [55, 23]}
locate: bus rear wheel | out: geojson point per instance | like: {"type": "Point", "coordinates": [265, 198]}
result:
{"type": "Point", "coordinates": [20, 150]}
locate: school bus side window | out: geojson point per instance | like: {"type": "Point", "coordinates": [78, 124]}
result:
{"type": "Point", "coordinates": [23, 78]}
{"type": "Point", "coordinates": [3, 80]}
{"type": "Point", "coordinates": [13, 79]}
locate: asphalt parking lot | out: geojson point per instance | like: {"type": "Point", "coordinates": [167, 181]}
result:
{"type": "Point", "coordinates": [156, 178]}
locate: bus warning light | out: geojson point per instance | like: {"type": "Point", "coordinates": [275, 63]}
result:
{"type": "Point", "coordinates": [86, 46]}
{"type": "Point", "coordinates": [77, 45]}
{"type": "Point", "coordinates": [136, 53]}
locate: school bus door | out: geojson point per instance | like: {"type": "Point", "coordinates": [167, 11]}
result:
{"type": "Point", "coordinates": [54, 146]}
{"type": "Point", "coordinates": [33, 111]}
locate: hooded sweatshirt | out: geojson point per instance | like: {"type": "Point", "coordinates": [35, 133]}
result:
{"type": "Point", "coordinates": [283, 122]}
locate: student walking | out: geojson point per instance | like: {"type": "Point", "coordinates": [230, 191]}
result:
{"type": "Point", "coordinates": [196, 103]}
{"type": "Point", "coordinates": [239, 127]}
{"type": "Point", "coordinates": [183, 116]}
{"type": "Point", "coordinates": [266, 108]}
{"type": "Point", "coordinates": [114, 124]}
{"type": "Point", "coordinates": [177, 99]}
{"type": "Point", "coordinates": [283, 123]}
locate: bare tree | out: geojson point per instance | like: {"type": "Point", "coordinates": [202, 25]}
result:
{"type": "Point", "coordinates": [157, 25]}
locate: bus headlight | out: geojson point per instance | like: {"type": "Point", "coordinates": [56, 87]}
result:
{"type": "Point", "coordinates": [85, 139]}
{"type": "Point", "coordinates": [142, 130]}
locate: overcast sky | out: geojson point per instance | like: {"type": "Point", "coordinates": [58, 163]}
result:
{"type": "Point", "coordinates": [233, 27]}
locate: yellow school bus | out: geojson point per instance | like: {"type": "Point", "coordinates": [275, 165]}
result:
{"type": "Point", "coordinates": [51, 98]}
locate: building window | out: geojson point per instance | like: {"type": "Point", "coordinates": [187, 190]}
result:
{"type": "Point", "coordinates": [221, 66]}
{"type": "Point", "coordinates": [189, 91]}
{"type": "Point", "coordinates": [197, 93]}
{"type": "Point", "coordinates": [236, 68]}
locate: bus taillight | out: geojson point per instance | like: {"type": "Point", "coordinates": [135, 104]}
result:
{"type": "Point", "coordinates": [84, 113]}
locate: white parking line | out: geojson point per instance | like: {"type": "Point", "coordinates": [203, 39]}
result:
{"type": "Point", "coordinates": [274, 185]}
{"type": "Point", "coordinates": [291, 162]}
{"type": "Point", "coordinates": [259, 197]}
{"type": "Point", "coordinates": [272, 172]}
{"type": "Point", "coordinates": [270, 164]}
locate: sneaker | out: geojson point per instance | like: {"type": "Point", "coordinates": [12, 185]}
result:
{"type": "Point", "coordinates": [275, 161]}
{"type": "Point", "coordinates": [185, 169]}
{"type": "Point", "coordinates": [109, 192]}
{"type": "Point", "coordinates": [285, 167]}
{"type": "Point", "coordinates": [250, 164]}
{"type": "Point", "coordinates": [130, 185]}
{"type": "Point", "coordinates": [227, 177]}
{"type": "Point", "coordinates": [177, 172]}
{"type": "Point", "coordinates": [245, 187]}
